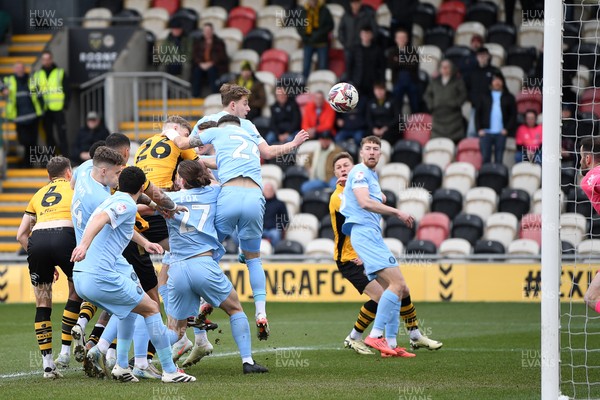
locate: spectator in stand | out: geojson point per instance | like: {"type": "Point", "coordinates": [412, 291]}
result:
{"type": "Point", "coordinates": [383, 115]}
{"type": "Point", "coordinates": [210, 61]}
{"type": "Point", "coordinates": [529, 139]}
{"type": "Point", "coordinates": [366, 63]}
{"type": "Point", "coordinates": [320, 164]}
{"type": "Point", "coordinates": [403, 60]}
{"type": "Point", "coordinates": [495, 119]}
{"type": "Point", "coordinates": [445, 97]}
{"type": "Point", "coordinates": [352, 21]}
{"type": "Point", "coordinates": [478, 83]}
{"type": "Point", "coordinates": [23, 107]}
{"type": "Point", "coordinates": [352, 125]}
{"type": "Point", "coordinates": [402, 15]}
{"type": "Point", "coordinates": [318, 116]}
{"type": "Point", "coordinates": [179, 46]}
{"type": "Point", "coordinates": [276, 216]}
{"type": "Point", "coordinates": [315, 33]}
{"type": "Point", "coordinates": [258, 98]}
{"type": "Point", "coordinates": [469, 63]}
{"type": "Point", "coordinates": [285, 118]}
{"type": "Point", "coordinates": [54, 87]}
{"type": "Point", "coordinates": [93, 131]}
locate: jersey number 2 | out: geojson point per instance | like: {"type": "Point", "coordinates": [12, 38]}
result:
{"type": "Point", "coordinates": [238, 152]}
{"type": "Point", "coordinates": [184, 228]}
{"type": "Point", "coordinates": [165, 151]}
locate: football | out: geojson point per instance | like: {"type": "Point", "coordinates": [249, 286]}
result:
{"type": "Point", "coordinates": [343, 97]}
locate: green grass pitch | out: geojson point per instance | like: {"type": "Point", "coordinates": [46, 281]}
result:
{"type": "Point", "coordinates": [491, 351]}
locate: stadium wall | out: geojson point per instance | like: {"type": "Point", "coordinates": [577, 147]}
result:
{"type": "Point", "coordinates": [306, 282]}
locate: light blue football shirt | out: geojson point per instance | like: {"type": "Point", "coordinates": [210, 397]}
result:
{"type": "Point", "coordinates": [87, 196]}
{"type": "Point", "coordinates": [107, 247]}
{"type": "Point", "coordinates": [84, 169]}
{"type": "Point", "coordinates": [360, 176]}
{"type": "Point", "coordinates": [237, 152]}
{"type": "Point", "coordinates": [244, 123]}
{"type": "Point", "coordinates": [193, 232]}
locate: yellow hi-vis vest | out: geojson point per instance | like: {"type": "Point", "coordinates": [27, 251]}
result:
{"type": "Point", "coordinates": [11, 105]}
{"type": "Point", "coordinates": [51, 88]}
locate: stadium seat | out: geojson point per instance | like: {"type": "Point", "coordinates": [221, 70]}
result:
{"type": "Point", "coordinates": [414, 201]}
{"type": "Point", "coordinates": [197, 5]}
{"type": "Point", "coordinates": [337, 12]}
{"type": "Point", "coordinates": [451, 13]}
{"type": "Point", "coordinates": [291, 198]}
{"type": "Point", "coordinates": [170, 5]}
{"type": "Point", "coordinates": [127, 17]}
{"type": "Point", "coordinates": [420, 247]}
{"type": "Point", "coordinates": [259, 40]}
{"type": "Point", "coordinates": [485, 246]}
{"type": "Point", "coordinates": [297, 61]}
{"type": "Point", "coordinates": [457, 54]}
{"type": "Point", "coordinates": [455, 247]}
{"type": "Point", "coordinates": [514, 201]}
{"type": "Point", "coordinates": [285, 4]}
{"type": "Point", "coordinates": [523, 57]}
{"type": "Point", "coordinates": [447, 201]}
{"type": "Point", "coordinates": [265, 248]}
{"type": "Point", "coordinates": [531, 35]}
{"type": "Point", "coordinates": [536, 207]}
{"type": "Point", "coordinates": [498, 54]}
{"type": "Point", "coordinates": [484, 12]}
{"type": "Point", "coordinates": [270, 17]}
{"type": "Point", "coordinates": [501, 227]}
{"type": "Point", "coordinates": [441, 36]}
{"type": "Point", "coordinates": [525, 247]}
{"type": "Point", "coordinates": [514, 77]}
{"type": "Point", "coordinates": [395, 246]}
{"type": "Point", "coordinates": [303, 228]}
{"type": "Point", "coordinates": [526, 176]}
{"type": "Point", "coordinates": [589, 248]}
{"type": "Point", "coordinates": [531, 227]}
{"type": "Point", "coordinates": [465, 32]}
{"type": "Point", "coordinates": [240, 56]}
{"type": "Point", "coordinates": [288, 40]}
{"type": "Point", "coordinates": [529, 100]}
{"type": "Point", "coordinates": [567, 248]}
{"type": "Point", "coordinates": [418, 35]}
{"type": "Point", "coordinates": [186, 18]}
{"type": "Point", "coordinates": [568, 178]}
{"type": "Point", "coordinates": [97, 18]}
{"type": "Point", "coordinates": [305, 150]}
{"type": "Point", "coordinates": [383, 16]}
{"type": "Point", "coordinates": [407, 152]}
{"type": "Point", "coordinates": [138, 5]}
{"type": "Point", "coordinates": [320, 248]}
{"type": "Point", "coordinates": [337, 62]}
{"type": "Point", "coordinates": [434, 227]}
{"type": "Point", "coordinates": [578, 202]}
{"type": "Point", "coordinates": [390, 198]}
{"type": "Point", "coordinates": [215, 15]}
{"type": "Point", "coordinates": [394, 177]}
{"type": "Point", "coordinates": [469, 151]}
{"type": "Point", "coordinates": [493, 175]}
{"type": "Point", "coordinates": [326, 230]}
{"type": "Point", "coordinates": [424, 15]}
{"type": "Point", "coordinates": [439, 151]}
{"type": "Point", "coordinates": [427, 176]}
{"type": "Point", "coordinates": [417, 134]}
{"type": "Point", "coordinates": [289, 247]}
{"type": "Point", "coordinates": [503, 34]}
{"type": "Point", "coordinates": [155, 20]}
{"type": "Point", "coordinates": [243, 18]}
{"type": "Point", "coordinates": [270, 81]}
{"type": "Point", "coordinates": [254, 4]}
{"type": "Point", "coordinates": [228, 5]}
{"type": "Point", "coordinates": [459, 176]}
{"type": "Point", "coordinates": [272, 172]}
{"type": "Point", "coordinates": [295, 176]}
{"type": "Point", "coordinates": [375, 4]}
{"type": "Point", "coordinates": [212, 104]}
{"type": "Point", "coordinates": [274, 61]}
{"type": "Point", "coordinates": [316, 202]}
{"type": "Point", "coordinates": [433, 54]}
{"type": "Point", "coordinates": [396, 228]}
{"type": "Point", "coordinates": [321, 80]}
{"type": "Point", "coordinates": [572, 227]}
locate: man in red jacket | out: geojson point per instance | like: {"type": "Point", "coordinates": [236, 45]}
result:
{"type": "Point", "coordinates": [318, 116]}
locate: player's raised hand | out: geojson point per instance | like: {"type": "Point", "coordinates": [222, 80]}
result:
{"type": "Point", "coordinates": [171, 213]}
{"type": "Point", "coordinates": [406, 218]}
{"type": "Point", "coordinates": [301, 137]}
{"type": "Point", "coordinates": [341, 180]}
{"type": "Point", "coordinates": [154, 248]}
{"type": "Point", "coordinates": [78, 253]}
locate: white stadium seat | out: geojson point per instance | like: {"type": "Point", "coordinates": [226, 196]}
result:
{"type": "Point", "coordinates": [395, 246]}
{"type": "Point", "coordinates": [481, 201]}
{"type": "Point", "coordinates": [97, 18]}
{"type": "Point", "coordinates": [459, 176]}
{"type": "Point", "coordinates": [212, 104]}
{"type": "Point", "coordinates": [439, 151]}
{"type": "Point", "coordinates": [415, 201]}
{"type": "Point", "coordinates": [524, 247]}
{"type": "Point", "coordinates": [272, 172]}
{"type": "Point", "coordinates": [455, 247]}
{"type": "Point", "coordinates": [215, 15]}
{"type": "Point", "coordinates": [394, 177]}
{"type": "Point", "coordinates": [266, 249]}
{"type": "Point", "coordinates": [292, 200]}
{"type": "Point", "coordinates": [320, 248]}
{"type": "Point", "coordinates": [589, 248]}
{"type": "Point", "coordinates": [233, 39]}
{"type": "Point", "coordinates": [526, 176]}
{"type": "Point", "coordinates": [235, 65]}
{"type": "Point", "coordinates": [303, 228]}
{"type": "Point", "coordinates": [501, 227]}
{"type": "Point", "coordinates": [572, 228]}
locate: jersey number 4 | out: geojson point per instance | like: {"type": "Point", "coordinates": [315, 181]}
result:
{"type": "Point", "coordinates": [159, 150]}
{"type": "Point", "coordinates": [240, 152]}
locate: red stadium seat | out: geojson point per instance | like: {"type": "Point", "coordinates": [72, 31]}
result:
{"type": "Point", "coordinates": [275, 61]}
{"type": "Point", "coordinates": [434, 227]}
{"type": "Point", "coordinates": [418, 135]}
{"type": "Point", "coordinates": [337, 63]}
{"type": "Point", "coordinates": [451, 13]}
{"type": "Point", "coordinates": [590, 102]}
{"type": "Point", "coordinates": [526, 101]}
{"type": "Point", "coordinates": [531, 227]}
{"type": "Point", "coordinates": [418, 128]}
{"type": "Point", "coordinates": [242, 18]}
{"type": "Point", "coordinates": [469, 151]}
{"type": "Point", "coordinates": [373, 3]}
{"type": "Point", "coordinates": [170, 5]}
